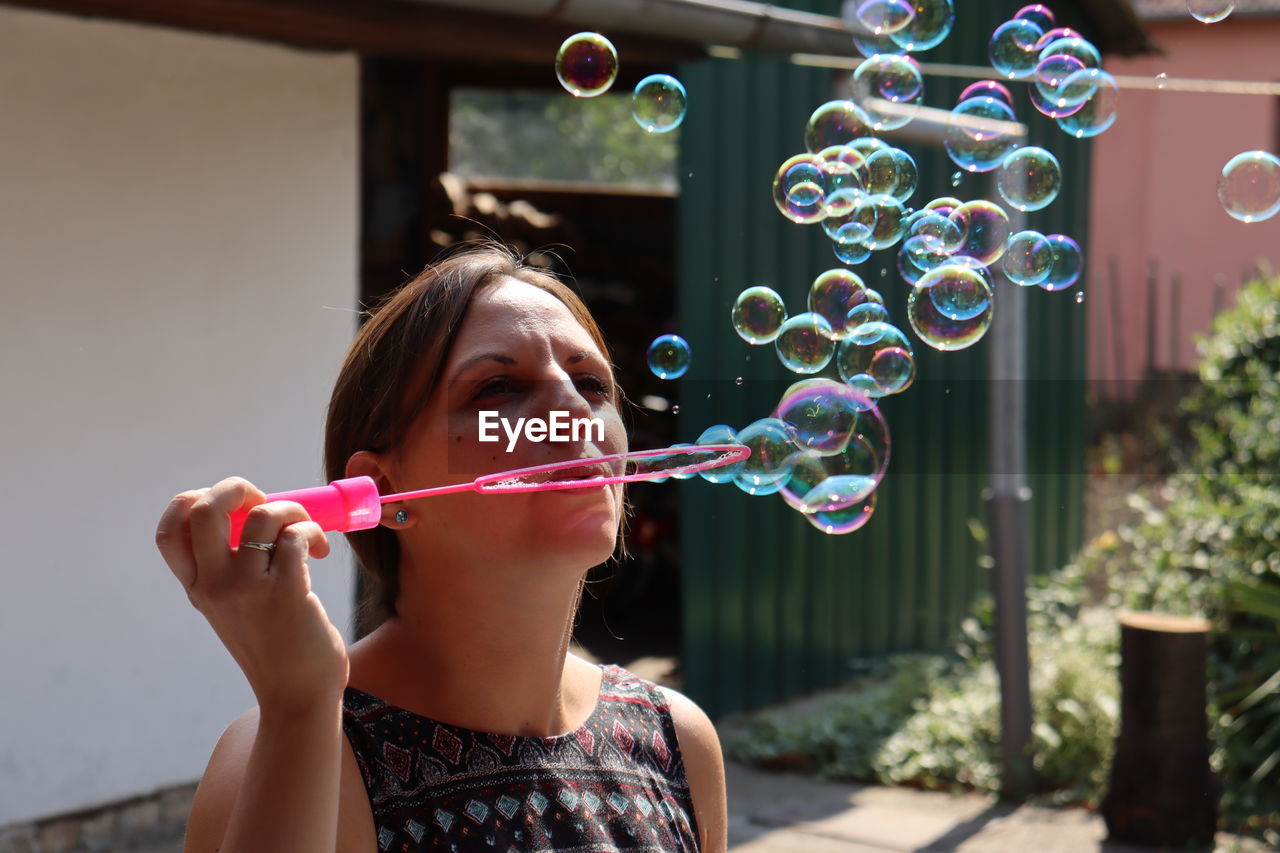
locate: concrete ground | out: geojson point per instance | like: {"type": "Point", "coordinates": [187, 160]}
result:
{"type": "Point", "coordinates": [777, 813]}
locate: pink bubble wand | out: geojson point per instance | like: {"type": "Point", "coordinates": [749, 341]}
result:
{"type": "Point", "coordinates": [354, 503]}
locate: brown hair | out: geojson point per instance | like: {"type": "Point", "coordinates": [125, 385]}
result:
{"type": "Point", "coordinates": [394, 366]}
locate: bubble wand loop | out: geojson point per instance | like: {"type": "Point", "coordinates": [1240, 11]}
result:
{"type": "Point", "coordinates": [354, 503]}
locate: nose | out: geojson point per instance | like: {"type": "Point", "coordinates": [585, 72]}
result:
{"type": "Point", "coordinates": [563, 395]}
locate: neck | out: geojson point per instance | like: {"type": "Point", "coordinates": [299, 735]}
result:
{"type": "Point", "coordinates": [482, 648]}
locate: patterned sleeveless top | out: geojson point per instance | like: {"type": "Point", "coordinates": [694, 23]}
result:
{"type": "Point", "coordinates": [616, 783]}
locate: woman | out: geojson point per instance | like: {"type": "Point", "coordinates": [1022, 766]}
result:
{"type": "Point", "coordinates": [462, 722]}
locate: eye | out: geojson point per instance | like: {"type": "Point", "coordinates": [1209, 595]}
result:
{"type": "Point", "coordinates": [592, 384]}
{"type": "Point", "coordinates": [496, 386]}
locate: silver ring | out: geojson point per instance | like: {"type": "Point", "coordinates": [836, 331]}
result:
{"type": "Point", "coordinates": [269, 547]}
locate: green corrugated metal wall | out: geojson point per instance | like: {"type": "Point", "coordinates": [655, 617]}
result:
{"type": "Point", "coordinates": [774, 608]}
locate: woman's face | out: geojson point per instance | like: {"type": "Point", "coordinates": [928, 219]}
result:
{"type": "Point", "coordinates": [520, 354]}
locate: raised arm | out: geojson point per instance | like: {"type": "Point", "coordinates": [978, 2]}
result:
{"type": "Point", "coordinates": [273, 782]}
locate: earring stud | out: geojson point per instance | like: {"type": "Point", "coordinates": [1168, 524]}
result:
{"type": "Point", "coordinates": [402, 515]}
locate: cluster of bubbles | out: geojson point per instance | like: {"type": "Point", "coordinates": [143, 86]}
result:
{"type": "Point", "coordinates": [587, 65]}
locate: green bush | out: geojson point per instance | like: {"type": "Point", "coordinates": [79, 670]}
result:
{"type": "Point", "coordinates": [1208, 543]}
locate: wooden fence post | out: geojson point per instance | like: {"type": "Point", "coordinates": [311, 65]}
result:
{"type": "Point", "coordinates": [1162, 791]}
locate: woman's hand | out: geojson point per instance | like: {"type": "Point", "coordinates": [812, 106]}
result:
{"type": "Point", "coordinates": [259, 602]}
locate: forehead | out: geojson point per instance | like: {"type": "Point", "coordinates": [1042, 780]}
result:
{"type": "Point", "coordinates": [511, 310]}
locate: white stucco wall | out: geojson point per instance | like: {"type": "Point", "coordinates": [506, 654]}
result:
{"type": "Point", "coordinates": [178, 250]}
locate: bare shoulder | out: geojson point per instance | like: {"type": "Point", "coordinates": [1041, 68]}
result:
{"type": "Point", "coordinates": [704, 765]}
{"type": "Point", "coordinates": [224, 777]}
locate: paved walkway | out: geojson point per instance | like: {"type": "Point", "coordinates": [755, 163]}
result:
{"type": "Point", "coordinates": [774, 813]}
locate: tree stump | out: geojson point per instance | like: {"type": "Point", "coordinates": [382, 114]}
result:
{"type": "Point", "coordinates": [1162, 792]}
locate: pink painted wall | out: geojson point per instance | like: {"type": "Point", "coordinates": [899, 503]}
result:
{"type": "Point", "coordinates": [1155, 197]}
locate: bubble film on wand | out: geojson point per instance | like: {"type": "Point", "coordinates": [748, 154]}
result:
{"type": "Point", "coordinates": [355, 504]}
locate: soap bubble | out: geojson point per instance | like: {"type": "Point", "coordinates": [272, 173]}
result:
{"type": "Point", "coordinates": [1038, 14]}
{"type": "Point", "coordinates": [772, 454]}
{"type": "Point", "coordinates": [884, 215]}
{"type": "Point", "coordinates": [831, 296]}
{"type": "Point", "coordinates": [1028, 258]}
{"type": "Point", "coordinates": [892, 79]}
{"type": "Point", "coordinates": [799, 189]}
{"type": "Point", "coordinates": [586, 65]}
{"type": "Point", "coordinates": [932, 237]}
{"type": "Point", "coordinates": [881, 17]}
{"type": "Point", "coordinates": [929, 28]}
{"type": "Point", "coordinates": [669, 356]}
{"type": "Point", "coordinates": [884, 365]}
{"type": "Point", "coordinates": [859, 315]}
{"type": "Point", "coordinates": [720, 434]}
{"type": "Point", "coordinates": [958, 292]}
{"type": "Point", "coordinates": [835, 123]}
{"type": "Point", "coordinates": [1029, 178]}
{"type": "Point", "coordinates": [1097, 113]}
{"type": "Point", "coordinates": [1249, 188]}
{"type": "Point", "coordinates": [658, 103]}
{"type": "Point", "coordinates": [941, 332]}
{"type": "Point", "coordinates": [981, 132]}
{"type": "Point", "coordinates": [1073, 45]}
{"type": "Point", "coordinates": [821, 483]}
{"type": "Point", "coordinates": [987, 89]}
{"type": "Point", "coordinates": [1067, 262]}
{"type": "Point", "coordinates": [1049, 76]}
{"type": "Point", "coordinates": [1013, 48]}
{"type": "Point", "coordinates": [821, 414]}
{"type": "Point", "coordinates": [841, 521]}
{"type": "Point", "coordinates": [758, 313]}
{"type": "Point", "coordinates": [1162, 80]}
{"type": "Point", "coordinates": [1048, 105]}
{"type": "Point", "coordinates": [893, 172]}
{"type": "Point", "coordinates": [1210, 11]}
{"type": "Point", "coordinates": [985, 229]}
{"type": "Point", "coordinates": [804, 343]}
{"type": "Point", "coordinates": [850, 250]}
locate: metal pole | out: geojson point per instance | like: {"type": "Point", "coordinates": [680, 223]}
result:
{"type": "Point", "coordinates": [1007, 494]}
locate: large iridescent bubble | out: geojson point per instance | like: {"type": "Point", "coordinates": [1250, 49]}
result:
{"type": "Point", "coordinates": [804, 343]}
{"type": "Point", "coordinates": [669, 356]}
{"type": "Point", "coordinates": [982, 131]}
{"type": "Point", "coordinates": [1029, 178]}
{"type": "Point", "coordinates": [1099, 111]}
{"type": "Point", "coordinates": [1037, 13]}
{"type": "Point", "coordinates": [586, 65]}
{"type": "Point", "coordinates": [772, 454]}
{"type": "Point", "coordinates": [985, 229]}
{"type": "Point", "coordinates": [822, 414]}
{"type": "Point", "coordinates": [758, 313]}
{"type": "Point", "coordinates": [831, 296]}
{"type": "Point", "coordinates": [800, 189]}
{"type": "Point", "coordinates": [958, 292]}
{"type": "Point", "coordinates": [835, 123]}
{"type": "Point", "coordinates": [884, 215]}
{"type": "Point", "coordinates": [877, 360]}
{"type": "Point", "coordinates": [1068, 261]}
{"type": "Point", "coordinates": [1249, 186]}
{"type": "Point", "coordinates": [658, 103]}
{"type": "Point", "coordinates": [928, 28]}
{"type": "Point", "coordinates": [891, 171]}
{"type": "Point", "coordinates": [937, 330]}
{"type": "Point", "coordinates": [889, 88]}
{"type": "Point", "coordinates": [846, 520]}
{"type": "Point", "coordinates": [1028, 258]}
{"type": "Point", "coordinates": [1013, 48]}
{"type": "Point", "coordinates": [822, 483]}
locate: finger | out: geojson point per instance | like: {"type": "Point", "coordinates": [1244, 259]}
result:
{"type": "Point", "coordinates": [295, 543]}
{"type": "Point", "coordinates": [210, 522]}
{"type": "Point", "coordinates": [173, 536]}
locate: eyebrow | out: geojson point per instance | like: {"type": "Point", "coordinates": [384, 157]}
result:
{"type": "Point", "coordinates": [487, 356]}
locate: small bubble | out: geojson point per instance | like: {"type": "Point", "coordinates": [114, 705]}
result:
{"type": "Point", "coordinates": [675, 410]}
{"type": "Point", "coordinates": [708, 396]}
{"type": "Point", "coordinates": [1161, 80]}
{"type": "Point", "coordinates": [884, 272]}
{"type": "Point", "coordinates": [956, 177]}
{"type": "Point", "coordinates": [1079, 296]}
{"type": "Point", "coordinates": [738, 381]}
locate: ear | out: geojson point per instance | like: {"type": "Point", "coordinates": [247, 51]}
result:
{"type": "Point", "coordinates": [366, 463]}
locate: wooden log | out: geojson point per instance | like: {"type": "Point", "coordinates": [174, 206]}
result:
{"type": "Point", "coordinates": [1162, 792]}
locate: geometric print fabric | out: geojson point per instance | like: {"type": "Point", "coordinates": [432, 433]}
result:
{"type": "Point", "coordinates": [616, 783]}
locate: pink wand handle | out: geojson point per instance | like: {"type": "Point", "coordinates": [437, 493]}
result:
{"type": "Point", "coordinates": [341, 506]}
